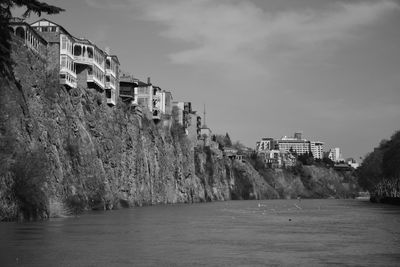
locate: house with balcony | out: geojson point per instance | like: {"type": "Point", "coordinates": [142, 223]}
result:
{"type": "Point", "coordinates": [144, 96]}
{"type": "Point", "coordinates": [28, 37]}
{"type": "Point", "coordinates": [80, 61]}
{"type": "Point", "coordinates": [59, 51]}
{"type": "Point", "coordinates": [90, 64]}
{"type": "Point", "coordinates": [157, 105]}
{"type": "Point", "coordinates": [112, 79]}
{"type": "Point", "coordinates": [128, 87]}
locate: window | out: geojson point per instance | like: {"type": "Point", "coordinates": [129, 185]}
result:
{"type": "Point", "coordinates": [63, 62]}
{"type": "Point", "coordinates": [90, 52]}
{"type": "Point", "coordinates": [64, 42]}
{"type": "Point", "coordinates": [77, 50]}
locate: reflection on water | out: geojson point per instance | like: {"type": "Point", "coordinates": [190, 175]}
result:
{"type": "Point", "coordinates": [234, 233]}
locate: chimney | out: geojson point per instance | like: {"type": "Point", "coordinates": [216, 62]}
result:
{"type": "Point", "coordinates": [107, 50]}
{"type": "Point", "coordinates": [148, 80]}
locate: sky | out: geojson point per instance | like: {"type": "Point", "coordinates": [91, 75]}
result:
{"type": "Point", "coordinates": [330, 69]}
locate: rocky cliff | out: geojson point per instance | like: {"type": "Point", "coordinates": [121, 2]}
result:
{"type": "Point", "coordinates": [63, 151]}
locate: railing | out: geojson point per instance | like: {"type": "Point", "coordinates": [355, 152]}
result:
{"type": "Point", "coordinates": [66, 52]}
{"type": "Point", "coordinates": [111, 101]}
{"type": "Point", "coordinates": [83, 60]}
{"type": "Point", "coordinates": [126, 93]}
{"type": "Point", "coordinates": [101, 67]}
{"type": "Point", "coordinates": [111, 72]}
{"type": "Point", "coordinates": [98, 82]}
{"type": "Point", "coordinates": [64, 69]}
{"type": "Point", "coordinates": [72, 84]}
{"type": "Point", "coordinates": [109, 85]}
{"type": "Point", "coordinates": [93, 78]}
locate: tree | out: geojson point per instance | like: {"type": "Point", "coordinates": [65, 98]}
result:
{"type": "Point", "coordinates": [306, 158]}
{"type": "Point", "coordinates": [228, 141]}
{"type": "Point", "coordinates": [370, 172]}
{"type": "Point", "coordinates": [391, 157]}
{"type": "Point", "coordinates": [382, 163]}
{"type": "Point", "coordinates": [5, 15]}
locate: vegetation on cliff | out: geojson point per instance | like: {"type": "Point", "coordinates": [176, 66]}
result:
{"type": "Point", "coordinates": [379, 173]}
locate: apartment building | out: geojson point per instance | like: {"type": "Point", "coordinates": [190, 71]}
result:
{"type": "Point", "coordinates": [295, 144]}
{"type": "Point", "coordinates": [334, 154]}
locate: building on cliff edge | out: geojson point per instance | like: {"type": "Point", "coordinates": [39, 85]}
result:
{"type": "Point", "coordinates": [78, 61]}
{"type": "Point", "coordinates": [81, 63]}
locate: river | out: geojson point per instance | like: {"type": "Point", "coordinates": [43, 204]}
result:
{"type": "Point", "coordinates": [232, 233]}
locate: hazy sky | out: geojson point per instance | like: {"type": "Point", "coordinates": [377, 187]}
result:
{"type": "Point", "coordinates": [330, 69]}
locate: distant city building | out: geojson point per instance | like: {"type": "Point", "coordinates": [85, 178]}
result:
{"type": "Point", "coordinates": [334, 154]}
{"type": "Point", "coordinates": [295, 145]}
{"type": "Point", "coordinates": [264, 144]}
{"type": "Point", "coordinates": [317, 149]}
{"type": "Point", "coordinates": [353, 163]}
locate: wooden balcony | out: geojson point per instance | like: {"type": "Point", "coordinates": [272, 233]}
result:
{"type": "Point", "coordinates": [95, 80]}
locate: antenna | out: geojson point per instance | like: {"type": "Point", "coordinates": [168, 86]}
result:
{"type": "Point", "coordinates": [204, 123]}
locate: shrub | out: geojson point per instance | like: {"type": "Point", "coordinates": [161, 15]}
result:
{"type": "Point", "coordinates": [30, 171]}
{"type": "Point", "coordinates": [76, 204]}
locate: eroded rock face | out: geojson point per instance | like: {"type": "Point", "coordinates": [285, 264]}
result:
{"type": "Point", "coordinates": [68, 151]}
{"type": "Point", "coordinates": [101, 157]}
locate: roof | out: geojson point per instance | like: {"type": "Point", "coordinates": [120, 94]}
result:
{"type": "Point", "coordinates": [81, 40]}
{"type": "Point", "coordinates": [54, 24]}
{"type": "Point", "coordinates": [115, 58]}
{"type": "Point", "coordinates": [142, 84]}
{"type": "Point", "coordinates": [19, 21]}
{"type": "Point", "coordinates": [127, 79]}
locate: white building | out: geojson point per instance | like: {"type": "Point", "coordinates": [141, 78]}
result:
{"type": "Point", "coordinates": [317, 149]}
{"type": "Point", "coordinates": [264, 144]}
{"type": "Point", "coordinates": [295, 144]}
{"type": "Point", "coordinates": [335, 155]}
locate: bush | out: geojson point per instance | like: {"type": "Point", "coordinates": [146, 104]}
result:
{"type": "Point", "coordinates": [76, 204]}
{"type": "Point", "coordinates": [30, 171]}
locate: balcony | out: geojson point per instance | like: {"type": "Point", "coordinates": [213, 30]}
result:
{"type": "Point", "coordinates": [110, 72]}
{"type": "Point", "coordinates": [126, 92]}
{"type": "Point", "coordinates": [156, 114]}
{"type": "Point", "coordinates": [109, 85]}
{"type": "Point", "coordinates": [83, 60]}
{"type": "Point", "coordinates": [111, 101]}
{"type": "Point", "coordinates": [68, 80]}
{"type": "Point", "coordinates": [65, 70]}
{"type": "Point", "coordinates": [93, 79]}
{"type": "Point", "coordinates": [110, 96]}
